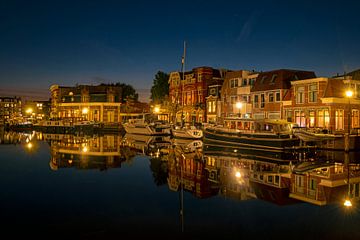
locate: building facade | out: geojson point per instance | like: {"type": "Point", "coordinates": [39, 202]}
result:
{"type": "Point", "coordinates": [188, 93]}
{"type": "Point", "coordinates": [321, 103]}
{"type": "Point", "coordinates": [10, 110]}
{"type": "Point", "coordinates": [236, 99]}
{"type": "Point", "coordinates": [269, 91]}
{"type": "Point", "coordinates": [85, 102]}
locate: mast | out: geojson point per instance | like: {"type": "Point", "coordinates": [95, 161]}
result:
{"type": "Point", "coordinates": [182, 84]}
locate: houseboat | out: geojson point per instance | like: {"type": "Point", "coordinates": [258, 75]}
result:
{"type": "Point", "coordinates": [264, 135]}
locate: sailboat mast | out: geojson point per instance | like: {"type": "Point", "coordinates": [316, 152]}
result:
{"type": "Point", "coordinates": [182, 84]}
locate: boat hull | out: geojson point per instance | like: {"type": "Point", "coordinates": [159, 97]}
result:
{"type": "Point", "coordinates": [268, 142]}
{"type": "Point", "coordinates": [187, 133]}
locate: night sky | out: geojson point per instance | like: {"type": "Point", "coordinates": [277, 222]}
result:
{"type": "Point", "coordinates": [91, 42]}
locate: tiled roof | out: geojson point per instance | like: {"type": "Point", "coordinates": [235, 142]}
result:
{"type": "Point", "coordinates": [279, 79]}
{"type": "Point", "coordinates": [335, 88]}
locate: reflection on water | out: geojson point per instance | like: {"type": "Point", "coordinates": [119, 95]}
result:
{"type": "Point", "coordinates": [319, 178]}
{"type": "Point", "coordinates": [182, 164]}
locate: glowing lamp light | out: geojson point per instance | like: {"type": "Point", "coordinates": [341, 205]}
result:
{"type": "Point", "coordinates": [29, 111]}
{"type": "Point", "coordinates": [349, 93]}
{"type": "Point", "coordinates": [239, 105]}
{"type": "Point", "coordinates": [238, 174]}
{"type": "Point", "coordinates": [85, 149]}
{"type": "Point", "coordinates": [29, 145]}
{"type": "Point", "coordinates": [85, 110]}
{"type": "Point", "coordinates": [347, 203]}
{"type": "Point", "coordinates": [156, 109]}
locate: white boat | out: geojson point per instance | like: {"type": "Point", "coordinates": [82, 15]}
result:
{"type": "Point", "coordinates": [143, 127]}
{"type": "Point", "coordinates": [189, 132]}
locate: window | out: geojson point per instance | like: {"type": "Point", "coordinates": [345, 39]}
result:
{"type": "Point", "coordinates": [288, 115]}
{"type": "Point", "coordinates": [244, 82]}
{"type": "Point", "coordinates": [300, 94]}
{"type": "Point", "coordinates": [313, 91]}
{"type": "Point", "coordinates": [262, 105]}
{"type": "Point", "coordinates": [212, 91]}
{"type": "Point", "coordinates": [300, 118]}
{"type": "Point", "coordinates": [245, 99]}
{"type": "Point", "coordinates": [311, 118]}
{"type": "Point", "coordinates": [271, 97]}
{"type": "Point", "coordinates": [277, 96]}
{"type": "Point", "coordinates": [339, 119]}
{"type": "Point", "coordinates": [355, 118]}
{"type": "Point", "coordinates": [256, 101]}
{"type": "Point", "coordinates": [263, 79]}
{"type": "Point", "coordinates": [233, 83]}
{"type": "Point", "coordinates": [252, 81]}
{"type": "Point", "coordinates": [273, 79]}
{"type": "Point", "coordinates": [233, 99]}
{"type": "Point", "coordinates": [200, 96]}
{"type": "Point", "coordinates": [312, 184]}
{"type": "Point", "coordinates": [323, 118]}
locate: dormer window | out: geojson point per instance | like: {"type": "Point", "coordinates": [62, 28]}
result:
{"type": "Point", "coordinates": [273, 79]}
{"type": "Point", "coordinates": [263, 79]}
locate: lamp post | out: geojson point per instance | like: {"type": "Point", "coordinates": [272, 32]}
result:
{"type": "Point", "coordinates": [349, 93]}
{"type": "Point", "coordinates": [239, 106]}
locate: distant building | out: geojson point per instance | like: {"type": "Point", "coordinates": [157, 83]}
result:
{"type": "Point", "coordinates": [36, 110]}
{"type": "Point", "coordinates": [10, 110]}
{"type": "Point", "coordinates": [86, 102]}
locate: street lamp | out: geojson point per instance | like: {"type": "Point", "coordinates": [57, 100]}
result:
{"type": "Point", "coordinates": [349, 93]}
{"type": "Point", "coordinates": [156, 109]}
{"type": "Point", "coordinates": [239, 106]}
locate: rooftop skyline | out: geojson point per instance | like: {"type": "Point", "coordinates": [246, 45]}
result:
{"type": "Point", "coordinates": [92, 42]}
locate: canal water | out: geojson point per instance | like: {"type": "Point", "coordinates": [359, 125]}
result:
{"type": "Point", "coordinates": [107, 187]}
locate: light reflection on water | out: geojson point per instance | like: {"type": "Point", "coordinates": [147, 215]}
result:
{"type": "Point", "coordinates": [100, 186]}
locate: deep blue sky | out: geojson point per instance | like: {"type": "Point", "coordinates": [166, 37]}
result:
{"type": "Point", "coordinates": [69, 42]}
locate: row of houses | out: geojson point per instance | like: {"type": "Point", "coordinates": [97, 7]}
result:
{"type": "Point", "coordinates": [14, 110]}
{"type": "Point", "coordinates": [210, 95]}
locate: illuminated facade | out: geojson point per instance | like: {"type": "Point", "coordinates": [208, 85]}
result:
{"type": "Point", "coordinates": [188, 94]}
{"type": "Point", "coordinates": [84, 102]}
{"type": "Point", "coordinates": [321, 103]}
{"type": "Point", "coordinates": [10, 110]}
{"type": "Point", "coordinates": [236, 89]}
{"type": "Point", "coordinates": [269, 90]}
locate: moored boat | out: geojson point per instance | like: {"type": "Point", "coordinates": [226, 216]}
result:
{"type": "Point", "coordinates": [188, 132]}
{"type": "Point", "coordinates": [140, 126]}
{"type": "Point", "coordinates": [263, 135]}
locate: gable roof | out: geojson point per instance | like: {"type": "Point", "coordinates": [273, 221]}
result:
{"type": "Point", "coordinates": [279, 79]}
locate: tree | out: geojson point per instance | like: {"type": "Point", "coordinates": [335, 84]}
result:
{"type": "Point", "coordinates": [160, 88]}
{"type": "Point", "coordinates": [127, 91]}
